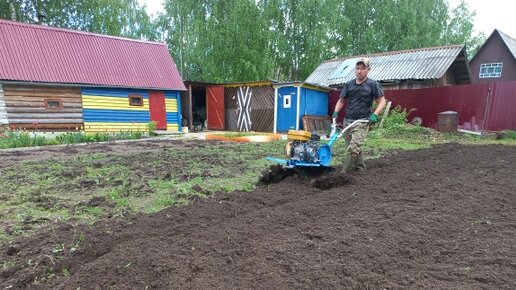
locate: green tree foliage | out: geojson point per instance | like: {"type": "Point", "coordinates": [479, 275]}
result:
{"type": "Point", "coordinates": [301, 34]}
{"type": "Point", "coordinates": [228, 40]}
{"type": "Point", "coordinates": [113, 17]}
{"type": "Point", "coordinates": [459, 29]}
{"type": "Point", "coordinates": [246, 40]}
{"type": "Point", "coordinates": [402, 24]}
{"type": "Point", "coordinates": [217, 40]}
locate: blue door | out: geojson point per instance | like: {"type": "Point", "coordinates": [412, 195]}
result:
{"type": "Point", "coordinates": [286, 109]}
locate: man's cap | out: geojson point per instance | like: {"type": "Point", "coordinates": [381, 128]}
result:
{"type": "Point", "coordinates": [365, 61]}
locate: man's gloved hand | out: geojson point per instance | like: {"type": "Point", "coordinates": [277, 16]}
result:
{"type": "Point", "coordinates": [335, 115]}
{"type": "Point", "coordinates": [373, 118]}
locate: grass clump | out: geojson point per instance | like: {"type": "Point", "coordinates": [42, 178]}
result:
{"type": "Point", "coordinates": [8, 264]}
{"type": "Point", "coordinates": [17, 139]}
{"type": "Point", "coordinates": [396, 123]}
{"type": "Point", "coordinates": [81, 137]}
{"type": "Point", "coordinates": [151, 128]}
{"type": "Point", "coordinates": [508, 134]}
{"type": "Point", "coordinates": [20, 138]}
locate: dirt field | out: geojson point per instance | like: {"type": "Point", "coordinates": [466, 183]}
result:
{"type": "Point", "coordinates": [437, 218]}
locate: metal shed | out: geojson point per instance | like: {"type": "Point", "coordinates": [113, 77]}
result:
{"type": "Point", "coordinates": [414, 68]}
{"type": "Point", "coordinates": [295, 100]}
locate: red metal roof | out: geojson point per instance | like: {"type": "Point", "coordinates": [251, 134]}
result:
{"type": "Point", "coordinates": [37, 53]}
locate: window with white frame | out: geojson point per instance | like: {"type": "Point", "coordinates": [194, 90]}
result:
{"type": "Point", "coordinates": [490, 70]}
{"type": "Point", "coordinates": [286, 101]}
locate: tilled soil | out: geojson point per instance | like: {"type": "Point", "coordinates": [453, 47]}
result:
{"type": "Point", "coordinates": [437, 218]}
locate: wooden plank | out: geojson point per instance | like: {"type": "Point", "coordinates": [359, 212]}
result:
{"type": "Point", "coordinates": [42, 91]}
{"type": "Point", "coordinates": [40, 110]}
{"type": "Point", "coordinates": [385, 113]}
{"type": "Point", "coordinates": [43, 121]}
{"type": "Point", "coordinates": [41, 95]}
{"type": "Point", "coordinates": [28, 89]}
{"type": "Point", "coordinates": [40, 104]}
{"type": "Point", "coordinates": [18, 98]}
{"type": "Point", "coordinates": [318, 124]}
{"type": "Point", "coordinates": [49, 115]}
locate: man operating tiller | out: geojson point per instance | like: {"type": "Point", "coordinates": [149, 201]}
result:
{"type": "Point", "coordinates": [360, 94]}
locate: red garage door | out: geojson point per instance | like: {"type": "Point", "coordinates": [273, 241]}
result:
{"type": "Point", "coordinates": [215, 107]}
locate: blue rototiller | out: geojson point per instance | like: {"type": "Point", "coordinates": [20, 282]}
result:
{"type": "Point", "coordinates": [304, 150]}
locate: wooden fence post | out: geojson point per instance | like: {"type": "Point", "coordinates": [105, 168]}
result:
{"type": "Point", "coordinates": [385, 113]}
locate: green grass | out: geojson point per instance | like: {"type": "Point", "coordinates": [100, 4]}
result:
{"type": "Point", "coordinates": [508, 134]}
{"type": "Point", "coordinates": [8, 264]}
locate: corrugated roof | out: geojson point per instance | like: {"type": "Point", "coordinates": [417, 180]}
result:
{"type": "Point", "coordinates": [416, 64]}
{"type": "Point", "coordinates": [37, 53]}
{"type": "Point", "coordinates": [510, 42]}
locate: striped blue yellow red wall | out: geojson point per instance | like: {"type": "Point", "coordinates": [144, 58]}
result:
{"type": "Point", "coordinates": [108, 110]}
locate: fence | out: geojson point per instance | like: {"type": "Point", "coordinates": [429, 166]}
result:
{"type": "Point", "coordinates": [486, 106]}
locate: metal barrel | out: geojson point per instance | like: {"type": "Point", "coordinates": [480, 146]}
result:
{"type": "Point", "coordinates": [447, 121]}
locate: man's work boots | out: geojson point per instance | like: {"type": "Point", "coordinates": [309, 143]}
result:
{"type": "Point", "coordinates": [354, 162]}
{"type": "Point", "coordinates": [360, 165]}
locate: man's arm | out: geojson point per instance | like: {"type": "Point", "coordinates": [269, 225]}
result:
{"type": "Point", "coordinates": [381, 105]}
{"type": "Point", "coordinates": [339, 105]}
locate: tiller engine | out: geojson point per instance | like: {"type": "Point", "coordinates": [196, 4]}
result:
{"type": "Point", "coordinates": [304, 149]}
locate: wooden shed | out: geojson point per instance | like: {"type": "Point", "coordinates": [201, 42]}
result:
{"type": "Point", "coordinates": [495, 60]}
{"type": "Point", "coordinates": [202, 105]}
{"type": "Point", "coordinates": [265, 106]}
{"type": "Point", "coordinates": [249, 106]}
{"type": "Point", "coordinates": [60, 79]}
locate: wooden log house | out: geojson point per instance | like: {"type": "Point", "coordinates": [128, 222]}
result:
{"type": "Point", "coordinates": [54, 79]}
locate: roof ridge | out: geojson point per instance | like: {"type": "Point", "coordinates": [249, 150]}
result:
{"type": "Point", "coordinates": [47, 27]}
{"type": "Point", "coordinates": [509, 42]}
{"type": "Point", "coordinates": [504, 34]}
{"type": "Point", "coordinates": [395, 52]}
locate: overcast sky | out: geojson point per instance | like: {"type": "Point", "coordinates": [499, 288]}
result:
{"type": "Point", "coordinates": [491, 14]}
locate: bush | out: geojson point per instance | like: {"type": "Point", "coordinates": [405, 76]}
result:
{"type": "Point", "coordinates": [396, 124]}
{"type": "Point", "coordinates": [508, 134]}
{"type": "Point", "coordinates": [151, 128]}
{"type": "Point", "coordinates": [128, 135]}
{"type": "Point", "coordinates": [396, 117]}
{"type": "Point", "coordinates": [71, 138]}
{"type": "Point", "coordinates": [99, 137]}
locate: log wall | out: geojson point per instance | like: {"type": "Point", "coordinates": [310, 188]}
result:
{"type": "Point", "coordinates": [25, 107]}
{"type": "Point", "coordinates": [3, 111]}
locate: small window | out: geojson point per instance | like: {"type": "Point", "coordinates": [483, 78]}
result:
{"type": "Point", "coordinates": [53, 104]}
{"type": "Point", "coordinates": [135, 100]}
{"type": "Point", "coordinates": [286, 101]}
{"type": "Point", "coordinates": [490, 70]}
